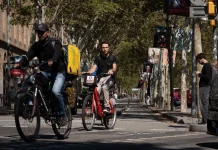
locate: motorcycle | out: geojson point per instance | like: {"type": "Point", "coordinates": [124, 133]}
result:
{"type": "Point", "coordinates": [12, 82]}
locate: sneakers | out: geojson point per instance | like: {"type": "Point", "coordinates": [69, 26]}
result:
{"type": "Point", "coordinates": [106, 110]}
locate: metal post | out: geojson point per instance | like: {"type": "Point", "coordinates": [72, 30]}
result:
{"type": "Point", "coordinates": [194, 80]}
{"type": "Point", "coordinates": [62, 30]}
{"type": "Point", "coordinates": [171, 71]}
{"type": "Point", "coordinates": [170, 55]}
{"type": "Point", "coordinates": [214, 43]}
{"type": "Point", "coordinates": [8, 54]}
{"type": "Point", "coordinates": [160, 79]}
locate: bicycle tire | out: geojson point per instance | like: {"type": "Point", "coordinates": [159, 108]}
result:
{"type": "Point", "coordinates": [23, 109]}
{"type": "Point", "coordinates": [57, 128]}
{"type": "Point", "coordinates": [113, 117]}
{"type": "Point", "coordinates": [87, 113]}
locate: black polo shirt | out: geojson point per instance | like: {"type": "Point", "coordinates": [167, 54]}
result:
{"type": "Point", "coordinates": [104, 64]}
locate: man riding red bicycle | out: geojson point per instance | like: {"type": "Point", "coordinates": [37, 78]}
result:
{"type": "Point", "coordinates": [106, 63]}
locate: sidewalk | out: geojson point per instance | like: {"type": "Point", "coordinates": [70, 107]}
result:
{"type": "Point", "coordinates": [181, 117]}
{"type": "Point", "coordinates": [175, 116]}
{"type": "Point", "coordinates": [5, 111]}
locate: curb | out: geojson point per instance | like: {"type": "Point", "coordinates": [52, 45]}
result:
{"type": "Point", "coordinates": [6, 112]}
{"type": "Point", "coordinates": [193, 122]}
{"type": "Point", "coordinates": [120, 112]}
{"type": "Point", "coordinates": [197, 128]}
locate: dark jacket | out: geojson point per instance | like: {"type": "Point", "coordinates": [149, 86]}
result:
{"type": "Point", "coordinates": [48, 50]}
{"type": "Point", "coordinates": [205, 75]}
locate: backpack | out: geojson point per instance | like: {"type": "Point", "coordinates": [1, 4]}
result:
{"type": "Point", "coordinates": [71, 58]}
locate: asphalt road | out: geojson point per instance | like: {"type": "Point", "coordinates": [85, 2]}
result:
{"type": "Point", "coordinates": [130, 133]}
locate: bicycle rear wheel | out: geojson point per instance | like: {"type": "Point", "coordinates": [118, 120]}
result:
{"type": "Point", "coordinates": [88, 116]}
{"type": "Point", "coordinates": [62, 132]}
{"type": "Point", "coordinates": [110, 119]}
{"type": "Point", "coordinates": [27, 126]}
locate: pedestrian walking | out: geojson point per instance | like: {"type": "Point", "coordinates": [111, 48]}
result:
{"type": "Point", "coordinates": [204, 85]}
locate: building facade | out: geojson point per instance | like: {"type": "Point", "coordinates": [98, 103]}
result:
{"type": "Point", "coordinates": [19, 42]}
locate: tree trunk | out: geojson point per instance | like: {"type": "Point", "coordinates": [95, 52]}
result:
{"type": "Point", "coordinates": [183, 82]}
{"type": "Point", "coordinates": [198, 49]}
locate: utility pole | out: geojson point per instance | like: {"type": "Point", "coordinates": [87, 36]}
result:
{"type": "Point", "coordinates": [194, 79]}
{"type": "Point", "coordinates": [62, 30]}
{"type": "Point", "coordinates": [215, 43]}
{"type": "Point", "coordinates": [8, 54]}
{"type": "Point", "coordinates": [170, 57]}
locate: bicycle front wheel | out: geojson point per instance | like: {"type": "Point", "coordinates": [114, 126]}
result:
{"type": "Point", "coordinates": [28, 126]}
{"type": "Point", "coordinates": [110, 119]}
{"type": "Point", "coordinates": [88, 116]}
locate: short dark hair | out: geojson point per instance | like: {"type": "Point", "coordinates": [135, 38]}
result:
{"type": "Point", "coordinates": [104, 42]}
{"type": "Point", "coordinates": [200, 56]}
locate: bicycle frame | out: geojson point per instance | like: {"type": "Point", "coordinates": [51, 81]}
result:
{"type": "Point", "coordinates": [96, 104]}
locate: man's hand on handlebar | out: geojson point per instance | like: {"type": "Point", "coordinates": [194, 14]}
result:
{"type": "Point", "coordinates": [85, 73]}
{"type": "Point", "coordinates": [110, 72]}
{"type": "Point", "coordinates": [50, 63]}
{"type": "Point", "coordinates": [17, 65]}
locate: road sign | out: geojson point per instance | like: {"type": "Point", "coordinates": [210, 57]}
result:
{"type": "Point", "coordinates": [198, 12]}
{"type": "Point", "coordinates": [198, 2]}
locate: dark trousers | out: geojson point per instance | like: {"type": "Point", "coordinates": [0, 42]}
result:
{"type": "Point", "coordinates": [204, 102]}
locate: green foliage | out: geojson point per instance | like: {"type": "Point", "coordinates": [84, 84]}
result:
{"type": "Point", "coordinates": [127, 24]}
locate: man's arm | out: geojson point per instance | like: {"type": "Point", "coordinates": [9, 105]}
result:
{"type": "Point", "coordinates": [31, 52]}
{"type": "Point", "coordinates": [92, 69]}
{"type": "Point", "coordinates": [114, 67]}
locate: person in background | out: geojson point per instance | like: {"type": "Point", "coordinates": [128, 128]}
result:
{"type": "Point", "coordinates": [204, 85]}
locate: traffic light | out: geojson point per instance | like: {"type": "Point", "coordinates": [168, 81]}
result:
{"type": "Point", "coordinates": [160, 37]}
{"type": "Point", "coordinates": [211, 11]}
{"type": "Point", "coordinates": [213, 22]}
{"type": "Point", "coordinates": [211, 8]}
{"type": "Point", "coordinates": [177, 7]}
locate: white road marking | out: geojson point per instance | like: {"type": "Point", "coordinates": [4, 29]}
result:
{"type": "Point", "coordinates": [161, 137]}
{"type": "Point", "coordinates": [95, 131]}
{"type": "Point", "coordinates": [153, 138]}
{"type": "Point", "coordinates": [5, 137]}
{"type": "Point", "coordinates": [162, 129]}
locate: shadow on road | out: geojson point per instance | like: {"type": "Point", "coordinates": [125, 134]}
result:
{"type": "Point", "coordinates": [212, 145]}
{"type": "Point", "coordinates": [91, 145]}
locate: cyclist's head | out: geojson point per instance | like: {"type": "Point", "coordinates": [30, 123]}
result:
{"type": "Point", "coordinates": [42, 31]}
{"type": "Point", "coordinates": [105, 48]}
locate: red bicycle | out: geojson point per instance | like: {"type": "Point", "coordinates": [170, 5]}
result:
{"type": "Point", "coordinates": [92, 108]}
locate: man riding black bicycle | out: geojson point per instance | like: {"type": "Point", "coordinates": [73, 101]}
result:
{"type": "Point", "coordinates": [48, 50]}
{"type": "Point", "coordinates": [106, 63]}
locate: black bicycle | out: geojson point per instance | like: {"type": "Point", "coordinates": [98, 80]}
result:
{"type": "Point", "coordinates": [34, 101]}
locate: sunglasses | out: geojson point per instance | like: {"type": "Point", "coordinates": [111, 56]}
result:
{"type": "Point", "coordinates": [40, 32]}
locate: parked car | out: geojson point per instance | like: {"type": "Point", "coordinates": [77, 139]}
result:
{"type": "Point", "coordinates": [177, 97]}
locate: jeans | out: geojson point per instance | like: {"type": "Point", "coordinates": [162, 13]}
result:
{"type": "Point", "coordinates": [58, 86]}
{"type": "Point", "coordinates": [103, 89]}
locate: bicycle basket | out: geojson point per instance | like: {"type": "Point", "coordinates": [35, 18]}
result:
{"type": "Point", "coordinates": [90, 80]}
